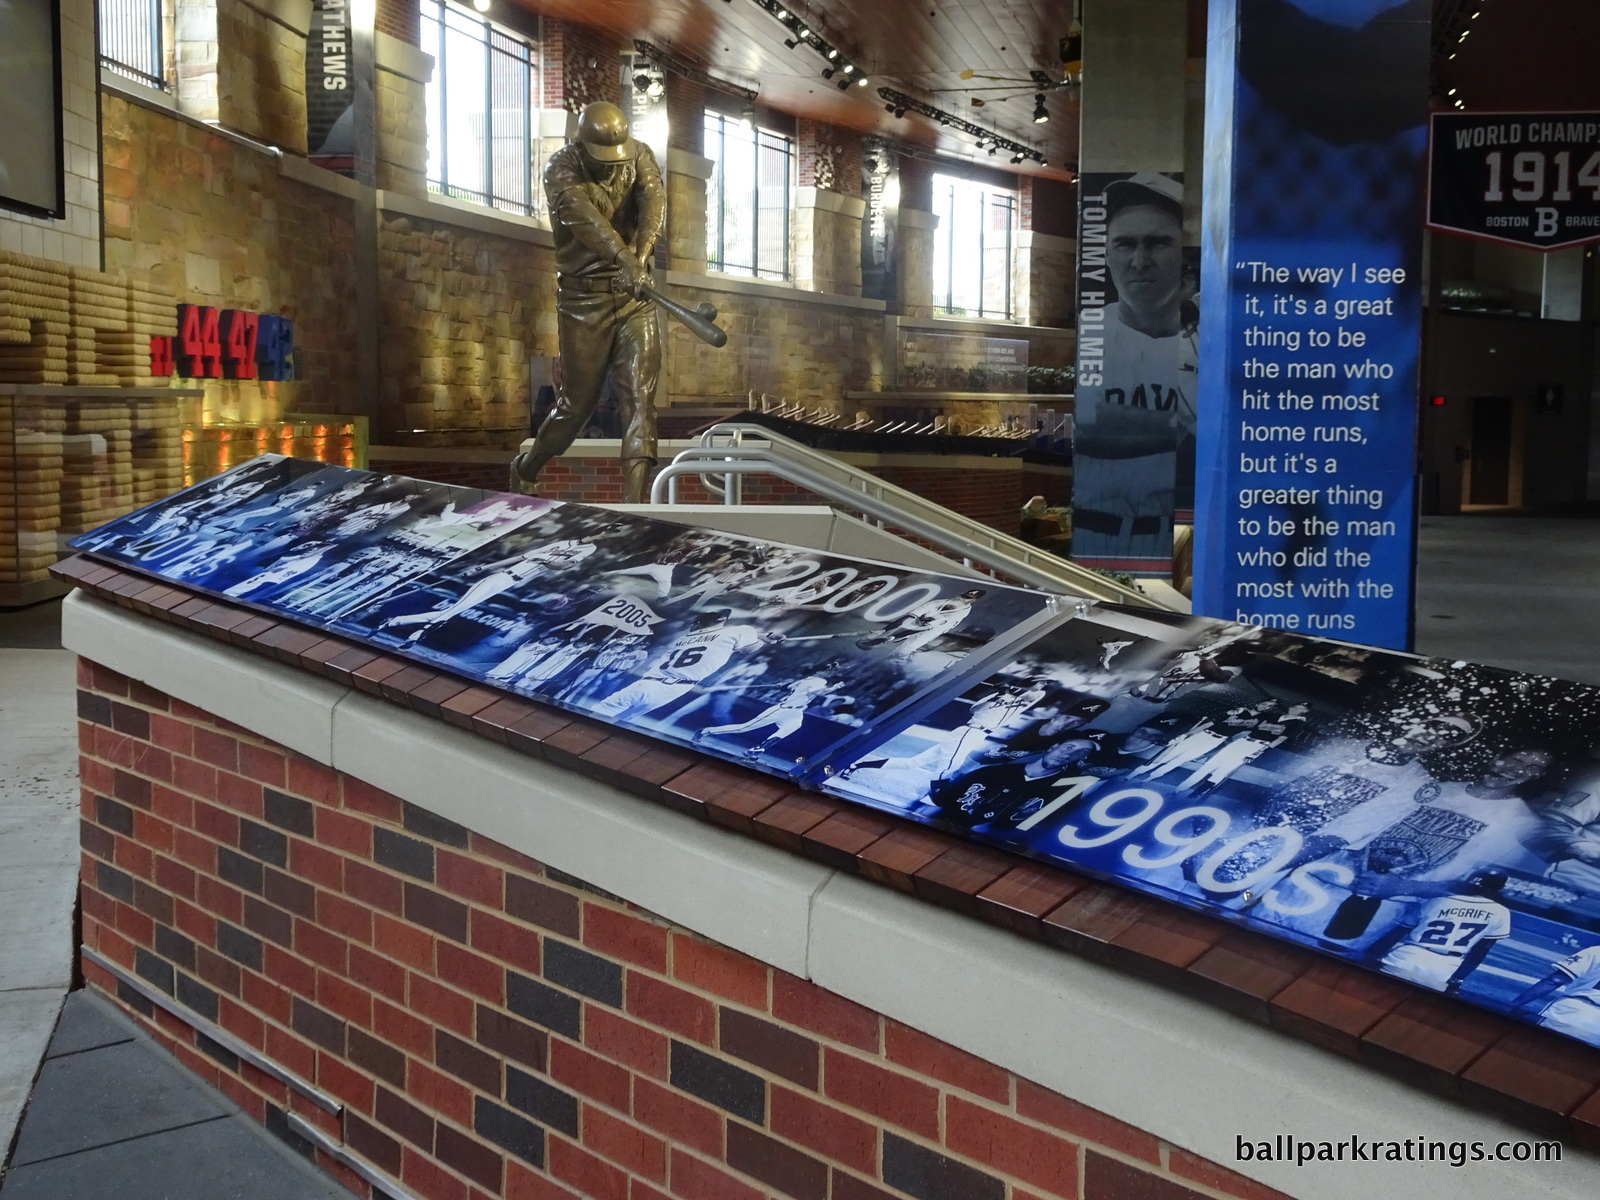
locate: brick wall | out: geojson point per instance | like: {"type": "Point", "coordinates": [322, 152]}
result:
{"type": "Point", "coordinates": [828, 156]}
{"type": "Point", "coordinates": [686, 114]}
{"type": "Point", "coordinates": [401, 19]}
{"type": "Point", "coordinates": [581, 65]}
{"type": "Point", "coordinates": [494, 1028]}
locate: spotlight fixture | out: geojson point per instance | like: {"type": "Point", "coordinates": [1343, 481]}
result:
{"type": "Point", "coordinates": [831, 53]}
{"type": "Point", "coordinates": [1040, 116]}
{"type": "Point", "coordinates": [481, 5]}
{"type": "Point", "coordinates": [849, 70]}
{"type": "Point", "coordinates": [790, 42]}
{"type": "Point", "coordinates": [641, 82]}
{"type": "Point", "coordinates": [862, 82]}
{"type": "Point", "coordinates": [827, 72]}
{"type": "Point", "coordinates": [747, 116]}
{"type": "Point", "coordinates": [899, 104]}
{"type": "Point", "coordinates": [666, 60]}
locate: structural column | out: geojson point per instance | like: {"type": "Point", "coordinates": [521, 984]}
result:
{"type": "Point", "coordinates": [1311, 280]}
{"type": "Point", "coordinates": [1136, 344]}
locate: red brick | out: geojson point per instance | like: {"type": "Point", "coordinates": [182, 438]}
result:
{"type": "Point", "coordinates": [264, 766]}
{"type": "Point", "coordinates": [200, 925]}
{"type": "Point", "coordinates": [620, 935]}
{"type": "Point", "coordinates": [151, 831]}
{"type": "Point", "coordinates": [594, 1178]}
{"type": "Point", "coordinates": [135, 924]}
{"type": "Point", "coordinates": [887, 1095]}
{"type": "Point", "coordinates": [101, 908]}
{"type": "Point", "coordinates": [218, 749]}
{"type": "Point", "coordinates": [925, 1055]}
{"type": "Point", "coordinates": [135, 858]}
{"type": "Point", "coordinates": [696, 1180]}
{"type": "Point", "coordinates": [299, 976]}
{"type": "Point", "coordinates": [1038, 1104]}
{"type": "Point", "coordinates": [113, 747]}
{"type": "Point", "coordinates": [197, 851]}
{"type": "Point", "coordinates": [193, 777]}
{"type": "Point", "coordinates": [1209, 1174]}
{"type": "Point", "coordinates": [345, 917]}
{"type": "Point", "coordinates": [313, 781]}
{"type": "Point", "coordinates": [630, 1147]}
{"type": "Point", "coordinates": [1042, 1158]}
{"type": "Point", "coordinates": [316, 864]}
{"type": "Point", "coordinates": [716, 969]}
{"type": "Point", "coordinates": [671, 1007]}
{"type": "Point", "coordinates": [113, 945]}
{"type": "Point", "coordinates": [217, 824]}
{"type": "Point", "coordinates": [241, 1022]}
{"type": "Point", "coordinates": [513, 944]}
{"type": "Point", "coordinates": [805, 1004]}
{"type": "Point", "coordinates": [683, 1120]}
{"type": "Point", "coordinates": [469, 878]}
{"type": "Point", "coordinates": [471, 972]}
{"type": "Point", "coordinates": [349, 1001]}
{"type": "Point", "coordinates": [374, 887]}
{"type": "Point", "coordinates": [171, 805]}
{"type": "Point", "coordinates": [823, 1128]}
{"type": "Point", "coordinates": [429, 1179]}
{"type": "Point", "coordinates": [151, 762]}
{"type": "Point", "coordinates": [441, 1005]}
{"type": "Point", "coordinates": [240, 794]}
{"type": "Point", "coordinates": [608, 1032]}
{"type": "Point", "coordinates": [218, 898]}
{"type": "Point", "coordinates": [348, 1084]}
{"type": "Point", "coordinates": [378, 974]}
{"type": "Point", "coordinates": [403, 942]}
{"type": "Point", "coordinates": [96, 776]}
{"type": "Point", "coordinates": [192, 1058]}
{"type": "Point", "coordinates": [638, 1189]}
{"type": "Point", "coordinates": [321, 947]}
{"type": "Point", "coordinates": [289, 1051]}
{"type": "Point", "coordinates": [261, 994]}
{"type": "Point", "coordinates": [523, 1184]}
{"type": "Point", "coordinates": [104, 679]}
{"type": "Point", "coordinates": [400, 1028]}
{"type": "Point", "coordinates": [240, 1093]}
{"type": "Point", "coordinates": [589, 1074]}
{"type": "Point", "coordinates": [439, 1093]}
{"type": "Point", "coordinates": [344, 832]}
{"type": "Point", "coordinates": [170, 734]}
{"type": "Point", "coordinates": [363, 797]}
{"type": "Point", "coordinates": [174, 878]}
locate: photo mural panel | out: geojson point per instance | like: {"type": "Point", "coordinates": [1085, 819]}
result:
{"type": "Point", "coordinates": [1437, 821]}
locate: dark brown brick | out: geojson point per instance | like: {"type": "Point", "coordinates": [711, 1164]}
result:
{"type": "Point", "coordinates": [1108, 1179]}
{"type": "Point", "coordinates": [406, 1119]}
{"type": "Point", "coordinates": [323, 1028]}
{"type": "Point", "coordinates": [542, 905]}
{"type": "Point", "coordinates": [271, 923]}
{"type": "Point", "coordinates": [769, 1046]}
{"type": "Point", "coordinates": [466, 1061]}
{"type": "Point", "coordinates": [372, 1143]}
{"type": "Point", "coordinates": [512, 1038]}
{"type": "Point", "coordinates": [775, 1164]}
{"type": "Point", "coordinates": [469, 1156]}
{"type": "Point", "coordinates": [436, 912]}
{"type": "Point", "coordinates": [380, 1058]}
{"type": "Point", "coordinates": [296, 895]}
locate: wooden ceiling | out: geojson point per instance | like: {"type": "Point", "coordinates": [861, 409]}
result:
{"type": "Point", "coordinates": [918, 46]}
{"type": "Point", "coordinates": [1526, 55]}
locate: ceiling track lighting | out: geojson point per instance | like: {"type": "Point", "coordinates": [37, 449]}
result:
{"type": "Point", "coordinates": [669, 61]}
{"type": "Point", "coordinates": [899, 104]}
{"type": "Point", "coordinates": [1040, 115]}
{"type": "Point", "coordinates": [801, 34]}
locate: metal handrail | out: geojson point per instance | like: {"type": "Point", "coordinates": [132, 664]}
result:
{"type": "Point", "coordinates": [751, 449]}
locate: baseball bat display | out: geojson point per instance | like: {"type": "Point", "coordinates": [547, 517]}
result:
{"type": "Point", "coordinates": [701, 319]}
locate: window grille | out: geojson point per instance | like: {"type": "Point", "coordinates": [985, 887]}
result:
{"type": "Point", "coordinates": [973, 249]}
{"type": "Point", "coordinates": [132, 42]}
{"type": "Point", "coordinates": [748, 198]}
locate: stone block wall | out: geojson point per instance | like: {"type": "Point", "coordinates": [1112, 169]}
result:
{"type": "Point", "coordinates": [1044, 278]}
{"type": "Point", "coordinates": [74, 239]}
{"type": "Point", "coordinates": [260, 74]}
{"type": "Point", "coordinates": [213, 222]}
{"type": "Point", "coordinates": [799, 349]}
{"type": "Point", "coordinates": [402, 144]}
{"type": "Point", "coordinates": [461, 313]}
{"type": "Point", "coordinates": [489, 1027]}
{"type": "Point", "coordinates": [826, 242]}
{"type": "Point", "coordinates": [687, 173]}
{"type": "Point", "coordinates": [915, 235]}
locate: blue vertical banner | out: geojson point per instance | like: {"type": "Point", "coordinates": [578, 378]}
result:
{"type": "Point", "coordinates": [1311, 287]}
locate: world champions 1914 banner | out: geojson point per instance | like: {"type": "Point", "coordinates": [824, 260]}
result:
{"type": "Point", "coordinates": [1435, 821]}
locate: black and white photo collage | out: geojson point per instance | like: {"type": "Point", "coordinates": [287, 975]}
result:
{"type": "Point", "coordinates": [1437, 821]}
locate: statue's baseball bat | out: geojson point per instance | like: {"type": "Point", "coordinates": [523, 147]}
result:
{"type": "Point", "coordinates": [701, 320]}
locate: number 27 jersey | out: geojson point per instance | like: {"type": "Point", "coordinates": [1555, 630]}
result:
{"type": "Point", "coordinates": [1455, 924]}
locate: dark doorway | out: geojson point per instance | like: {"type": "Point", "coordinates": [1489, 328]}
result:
{"type": "Point", "coordinates": [1491, 451]}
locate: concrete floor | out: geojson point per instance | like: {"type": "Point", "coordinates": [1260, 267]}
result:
{"type": "Point", "coordinates": [38, 844]}
{"type": "Point", "coordinates": [1517, 592]}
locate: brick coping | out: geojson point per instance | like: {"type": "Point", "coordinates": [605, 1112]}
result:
{"type": "Point", "coordinates": [1528, 1075]}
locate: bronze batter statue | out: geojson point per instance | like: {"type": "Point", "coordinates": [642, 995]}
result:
{"type": "Point", "coordinates": [607, 209]}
